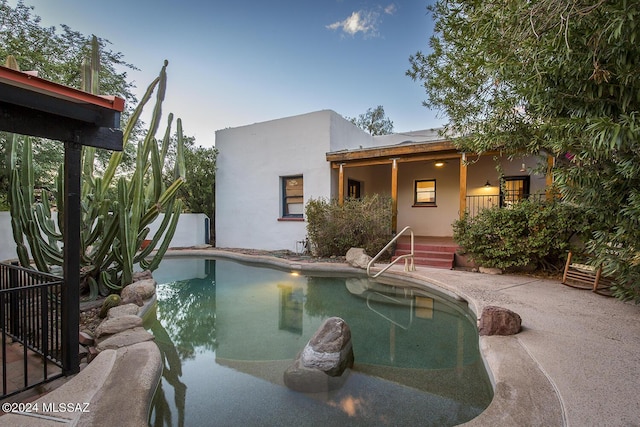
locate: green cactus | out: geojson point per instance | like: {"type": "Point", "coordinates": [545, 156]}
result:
{"type": "Point", "coordinates": [112, 228]}
{"type": "Point", "coordinates": [109, 302]}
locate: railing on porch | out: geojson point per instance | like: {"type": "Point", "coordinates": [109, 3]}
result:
{"type": "Point", "coordinates": [30, 314]}
{"type": "Point", "coordinates": [475, 204]}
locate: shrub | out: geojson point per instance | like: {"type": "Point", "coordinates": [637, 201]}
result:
{"type": "Point", "coordinates": [363, 223]}
{"type": "Point", "coordinates": [527, 233]}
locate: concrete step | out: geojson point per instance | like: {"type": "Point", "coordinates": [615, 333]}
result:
{"type": "Point", "coordinates": [428, 255]}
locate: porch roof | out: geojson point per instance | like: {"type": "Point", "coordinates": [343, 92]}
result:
{"type": "Point", "coordinates": [403, 152]}
{"type": "Point", "coordinates": [30, 105]}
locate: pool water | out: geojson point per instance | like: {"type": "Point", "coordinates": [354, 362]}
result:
{"type": "Point", "coordinates": [227, 332]}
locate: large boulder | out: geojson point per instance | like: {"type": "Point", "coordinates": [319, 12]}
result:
{"type": "Point", "coordinates": [357, 257]}
{"type": "Point", "coordinates": [325, 362]}
{"type": "Point", "coordinates": [499, 321]}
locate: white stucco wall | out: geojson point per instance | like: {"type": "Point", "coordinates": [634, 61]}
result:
{"type": "Point", "coordinates": [190, 231]}
{"type": "Point", "coordinates": [431, 220]}
{"type": "Point", "coordinates": [251, 161]}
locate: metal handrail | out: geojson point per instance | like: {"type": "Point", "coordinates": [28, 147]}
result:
{"type": "Point", "coordinates": [408, 258]}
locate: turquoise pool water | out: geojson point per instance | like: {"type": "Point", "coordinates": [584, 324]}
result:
{"type": "Point", "coordinates": [227, 332]}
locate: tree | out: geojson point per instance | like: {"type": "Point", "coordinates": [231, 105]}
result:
{"type": "Point", "coordinates": [373, 121]}
{"type": "Point", "coordinates": [58, 57]}
{"type": "Point", "coordinates": [555, 77]}
{"type": "Point", "coordinates": [198, 191]}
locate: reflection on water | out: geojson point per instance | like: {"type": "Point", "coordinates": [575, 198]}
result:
{"type": "Point", "coordinates": [227, 336]}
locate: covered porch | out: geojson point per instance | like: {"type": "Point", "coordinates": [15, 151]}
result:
{"type": "Point", "coordinates": [432, 184]}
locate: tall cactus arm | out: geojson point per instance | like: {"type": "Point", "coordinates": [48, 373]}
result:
{"type": "Point", "coordinates": [166, 140]}
{"type": "Point", "coordinates": [126, 234]}
{"type": "Point", "coordinates": [116, 158]}
{"type": "Point", "coordinates": [158, 234]}
{"type": "Point", "coordinates": [155, 262]}
{"type": "Point", "coordinates": [27, 178]}
{"type": "Point", "coordinates": [60, 198]}
{"type": "Point", "coordinates": [180, 166]}
{"type": "Point", "coordinates": [45, 222]}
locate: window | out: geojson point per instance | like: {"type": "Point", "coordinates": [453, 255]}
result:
{"type": "Point", "coordinates": [292, 197]}
{"type": "Point", "coordinates": [513, 189]}
{"type": "Point", "coordinates": [354, 188]}
{"type": "Point", "coordinates": [424, 193]}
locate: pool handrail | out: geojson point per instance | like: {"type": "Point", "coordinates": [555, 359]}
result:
{"type": "Point", "coordinates": [408, 258]}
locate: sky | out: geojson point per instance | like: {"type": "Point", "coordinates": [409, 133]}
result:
{"type": "Point", "coordinates": [238, 62]}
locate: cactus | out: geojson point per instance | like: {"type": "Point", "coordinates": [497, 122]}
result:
{"type": "Point", "coordinates": [109, 302]}
{"type": "Point", "coordinates": [112, 229]}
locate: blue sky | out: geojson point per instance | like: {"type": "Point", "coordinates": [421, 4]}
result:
{"type": "Point", "coordinates": [238, 62]}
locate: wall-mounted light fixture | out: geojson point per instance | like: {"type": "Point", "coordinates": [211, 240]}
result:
{"type": "Point", "coordinates": [488, 184]}
{"type": "Point", "coordinates": [440, 163]}
{"type": "Point", "coordinates": [523, 168]}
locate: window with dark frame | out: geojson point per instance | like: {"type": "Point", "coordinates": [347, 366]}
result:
{"type": "Point", "coordinates": [424, 192]}
{"type": "Point", "coordinates": [292, 197]}
{"type": "Point", "coordinates": [514, 189]}
{"type": "Point", "coordinates": [354, 188]}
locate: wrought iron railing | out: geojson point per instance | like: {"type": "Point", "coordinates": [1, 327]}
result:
{"type": "Point", "coordinates": [30, 321]}
{"type": "Point", "coordinates": [475, 204]}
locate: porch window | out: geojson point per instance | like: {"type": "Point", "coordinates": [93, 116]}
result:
{"type": "Point", "coordinates": [354, 188]}
{"type": "Point", "coordinates": [292, 197]}
{"type": "Point", "coordinates": [513, 189]}
{"type": "Point", "coordinates": [424, 192]}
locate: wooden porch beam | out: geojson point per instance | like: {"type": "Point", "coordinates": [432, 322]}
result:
{"type": "Point", "coordinates": [393, 151]}
{"type": "Point", "coordinates": [386, 161]}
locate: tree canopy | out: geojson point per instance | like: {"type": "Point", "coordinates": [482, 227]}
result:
{"type": "Point", "coordinates": [373, 121]}
{"type": "Point", "coordinates": [557, 77]}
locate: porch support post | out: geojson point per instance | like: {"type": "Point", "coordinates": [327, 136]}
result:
{"type": "Point", "coordinates": [463, 184]}
{"type": "Point", "coordinates": [341, 184]}
{"type": "Point", "coordinates": [71, 253]}
{"type": "Point", "coordinates": [394, 195]}
{"type": "Point", "coordinates": [549, 182]}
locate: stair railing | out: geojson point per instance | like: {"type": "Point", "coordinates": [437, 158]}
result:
{"type": "Point", "coordinates": [408, 258]}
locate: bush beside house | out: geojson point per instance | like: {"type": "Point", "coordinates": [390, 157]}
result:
{"type": "Point", "coordinates": [361, 223]}
{"type": "Point", "coordinates": [529, 233]}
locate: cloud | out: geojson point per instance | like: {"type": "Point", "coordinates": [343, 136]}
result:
{"type": "Point", "coordinates": [362, 21]}
{"type": "Point", "coordinates": [391, 9]}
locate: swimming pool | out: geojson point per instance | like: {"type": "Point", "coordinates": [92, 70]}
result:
{"type": "Point", "coordinates": [227, 331]}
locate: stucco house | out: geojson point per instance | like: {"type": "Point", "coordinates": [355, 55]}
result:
{"type": "Point", "coordinates": [267, 171]}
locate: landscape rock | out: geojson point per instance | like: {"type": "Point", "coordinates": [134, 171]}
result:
{"type": "Point", "coordinates": [133, 298]}
{"type": "Point", "coordinates": [117, 324]}
{"type": "Point", "coordinates": [85, 339]}
{"type": "Point", "coordinates": [143, 289]}
{"type": "Point", "coordinates": [142, 275]}
{"type": "Point", "coordinates": [357, 257]}
{"type": "Point", "coordinates": [499, 321]}
{"type": "Point", "coordinates": [488, 270]}
{"type": "Point", "coordinates": [325, 362]}
{"type": "Point", "coordinates": [122, 310]}
{"type": "Point", "coordinates": [124, 338]}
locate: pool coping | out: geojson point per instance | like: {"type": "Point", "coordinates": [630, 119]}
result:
{"type": "Point", "coordinates": [523, 393]}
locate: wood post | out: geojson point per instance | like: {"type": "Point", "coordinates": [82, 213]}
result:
{"type": "Point", "coordinates": [341, 184]}
{"type": "Point", "coordinates": [394, 195]}
{"type": "Point", "coordinates": [71, 263]}
{"type": "Point", "coordinates": [463, 184]}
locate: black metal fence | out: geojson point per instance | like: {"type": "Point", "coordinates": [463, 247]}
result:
{"type": "Point", "coordinates": [30, 320]}
{"type": "Point", "coordinates": [475, 204]}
